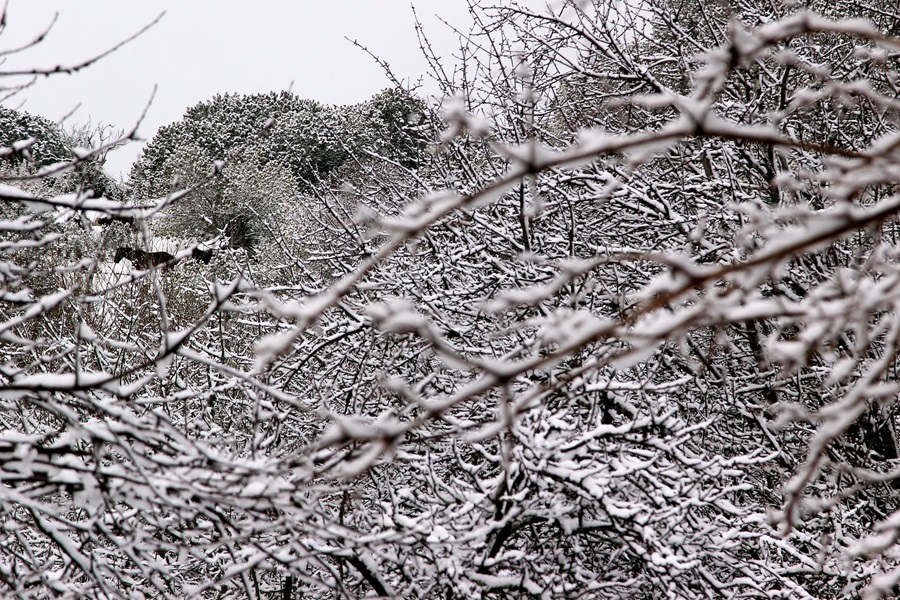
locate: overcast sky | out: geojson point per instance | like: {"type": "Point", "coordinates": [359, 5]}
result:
{"type": "Point", "coordinates": [204, 47]}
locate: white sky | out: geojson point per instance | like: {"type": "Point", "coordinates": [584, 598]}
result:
{"type": "Point", "coordinates": [205, 47]}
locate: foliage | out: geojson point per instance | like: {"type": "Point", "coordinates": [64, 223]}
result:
{"type": "Point", "coordinates": [309, 138]}
{"type": "Point", "coordinates": [48, 146]}
{"type": "Point", "coordinates": [242, 203]}
{"type": "Point", "coordinates": [32, 143]}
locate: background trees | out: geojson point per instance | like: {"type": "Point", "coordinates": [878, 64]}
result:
{"type": "Point", "coordinates": [627, 327]}
{"type": "Point", "coordinates": [281, 153]}
{"type": "Point", "coordinates": [309, 138]}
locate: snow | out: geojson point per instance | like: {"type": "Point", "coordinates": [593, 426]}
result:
{"type": "Point", "coordinates": [9, 191]}
{"type": "Point", "coordinates": [624, 360]}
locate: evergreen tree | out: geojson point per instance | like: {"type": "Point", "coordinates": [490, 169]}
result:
{"type": "Point", "coordinates": [309, 138]}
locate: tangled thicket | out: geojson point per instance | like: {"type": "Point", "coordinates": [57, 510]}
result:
{"type": "Point", "coordinates": [628, 328]}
